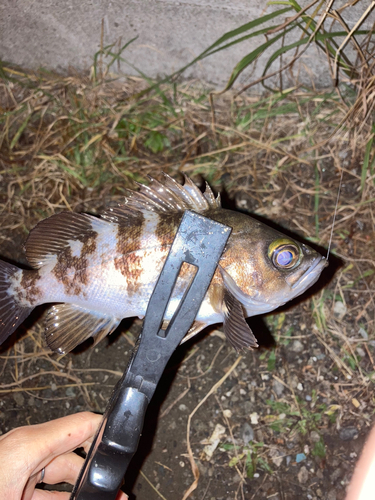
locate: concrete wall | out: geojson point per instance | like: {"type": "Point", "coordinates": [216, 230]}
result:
{"type": "Point", "coordinates": [62, 34]}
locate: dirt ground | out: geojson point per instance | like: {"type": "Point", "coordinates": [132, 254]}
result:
{"type": "Point", "coordinates": [290, 417]}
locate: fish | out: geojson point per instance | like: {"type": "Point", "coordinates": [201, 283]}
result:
{"type": "Point", "coordinates": [95, 271]}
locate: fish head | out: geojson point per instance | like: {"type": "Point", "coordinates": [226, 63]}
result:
{"type": "Point", "coordinates": [264, 268]}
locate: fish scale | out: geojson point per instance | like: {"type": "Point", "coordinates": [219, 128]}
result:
{"type": "Point", "coordinates": [95, 271]}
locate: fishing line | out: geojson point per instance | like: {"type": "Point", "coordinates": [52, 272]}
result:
{"type": "Point", "coordinates": [334, 215]}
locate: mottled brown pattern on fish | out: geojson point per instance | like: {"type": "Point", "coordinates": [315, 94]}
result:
{"type": "Point", "coordinates": [29, 282]}
{"type": "Point", "coordinates": [131, 267]}
{"type": "Point", "coordinates": [67, 263]}
{"type": "Point", "coordinates": [129, 240]}
{"type": "Point", "coordinates": [28, 289]}
{"type": "Point", "coordinates": [167, 227]}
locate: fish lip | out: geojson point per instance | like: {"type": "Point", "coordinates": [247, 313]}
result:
{"type": "Point", "coordinates": [320, 263]}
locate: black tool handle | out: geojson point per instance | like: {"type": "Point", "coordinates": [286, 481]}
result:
{"type": "Point", "coordinates": [200, 242]}
{"type": "Point", "coordinates": [113, 448]}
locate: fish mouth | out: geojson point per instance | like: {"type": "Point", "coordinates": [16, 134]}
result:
{"type": "Point", "coordinates": [311, 275]}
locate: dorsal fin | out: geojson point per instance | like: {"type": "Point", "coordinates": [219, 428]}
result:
{"type": "Point", "coordinates": [163, 197]}
{"type": "Point", "coordinates": [51, 236]}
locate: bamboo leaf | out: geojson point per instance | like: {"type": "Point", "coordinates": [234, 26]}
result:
{"type": "Point", "coordinates": [318, 37]}
{"type": "Point", "coordinates": [238, 31]}
{"type": "Point", "coordinates": [250, 58]}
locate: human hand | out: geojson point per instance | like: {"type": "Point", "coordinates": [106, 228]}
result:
{"type": "Point", "coordinates": [362, 485]}
{"type": "Point", "coordinates": [25, 451]}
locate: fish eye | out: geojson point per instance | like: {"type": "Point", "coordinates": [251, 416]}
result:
{"type": "Point", "coordinates": [284, 254]}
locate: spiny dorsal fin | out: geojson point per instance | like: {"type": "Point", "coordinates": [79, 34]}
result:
{"type": "Point", "coordinates": [163, 197]}
{"type": "Point", "coordinates": [51, 236]}
{"type": "Point", "coordinates": [236, 329]}
{"type": "Point", "coordinates": [68, 325]}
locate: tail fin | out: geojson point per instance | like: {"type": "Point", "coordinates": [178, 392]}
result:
{"type": "Point", "coordinates": [11, 313]}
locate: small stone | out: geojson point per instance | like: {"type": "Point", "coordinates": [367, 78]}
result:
{"type": "Point", "coordinates": [361, 352]}
{"type": "Point", "coordinates": [335, 475]}
{"type": "Point", "coordinates": [331, 495]}
{"type": "Point", "coordinates": [303, 475]}
{"type": "Point", "coordinates": [278, 387]}
{"type": "Point", "coordinates": [70, 392]}
{"type": "Point", "coordinates": [247, 433]}
{"type": "Point", "coordinates": [297, 346]}
{"type": "Point", "coordinates": [339, 309]}
{"type": "Point", "coordinates": [227, 413]}
{"type": "Point", "coordinates": [260, 436]}
{"type": "Point", "coordinates": [276, 456]}
{"type": "Point", "coordinates": [308, 398]}
{"type": "Point", "coordinates": [254, 418]}
{"type": "Point", "coordinates": [363, 332]}
{"type": "Point", "coordinates": [300, 386]}
{"type": "Point", "coordinates": [348, 433]}
{"type": "Point", "coordinates": [18, 398]}
{"type": "Point", "coordinates": [314, 436]}
{"type": "Point", "coordinates": [53, 387]}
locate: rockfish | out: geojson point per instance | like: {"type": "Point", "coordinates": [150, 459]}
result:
{"type": "Point", "coordinates": [98, 270]}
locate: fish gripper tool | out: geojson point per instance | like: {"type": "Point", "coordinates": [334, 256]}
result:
{"type": "Point", "coordinates": [199, 241]}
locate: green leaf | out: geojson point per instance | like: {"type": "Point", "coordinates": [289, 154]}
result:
{"type": "Point", "coordinates": [250, 58]}
{"type": "Point", "coordinates": [321, 37]}
{"type": "Point", "coordinates": [319, 449]}
{"type": "Point", "coordinates": [19, 131]}
{"type": "Point", "coordinates": [238, 31]}
{"type": "Point", "coordinates": [271, 365]}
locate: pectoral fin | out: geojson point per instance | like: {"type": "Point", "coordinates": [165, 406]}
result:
{"type": "Point", "coordinates": [236, 329]}
{"type": "Point", "coordinates": [68, 325]}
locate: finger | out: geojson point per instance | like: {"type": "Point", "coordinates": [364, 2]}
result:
{"type": "Point", "coordinates": [63, 469]}
{"type": "Point", "coordinates": [62, 495]}
{"type": "Point", "coordinates": [50, 495]}
{"type": "Point", "coordinates": [37, 445]}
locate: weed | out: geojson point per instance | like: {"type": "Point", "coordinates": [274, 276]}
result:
{"type": "Point", "coordinates": [250, 456]}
